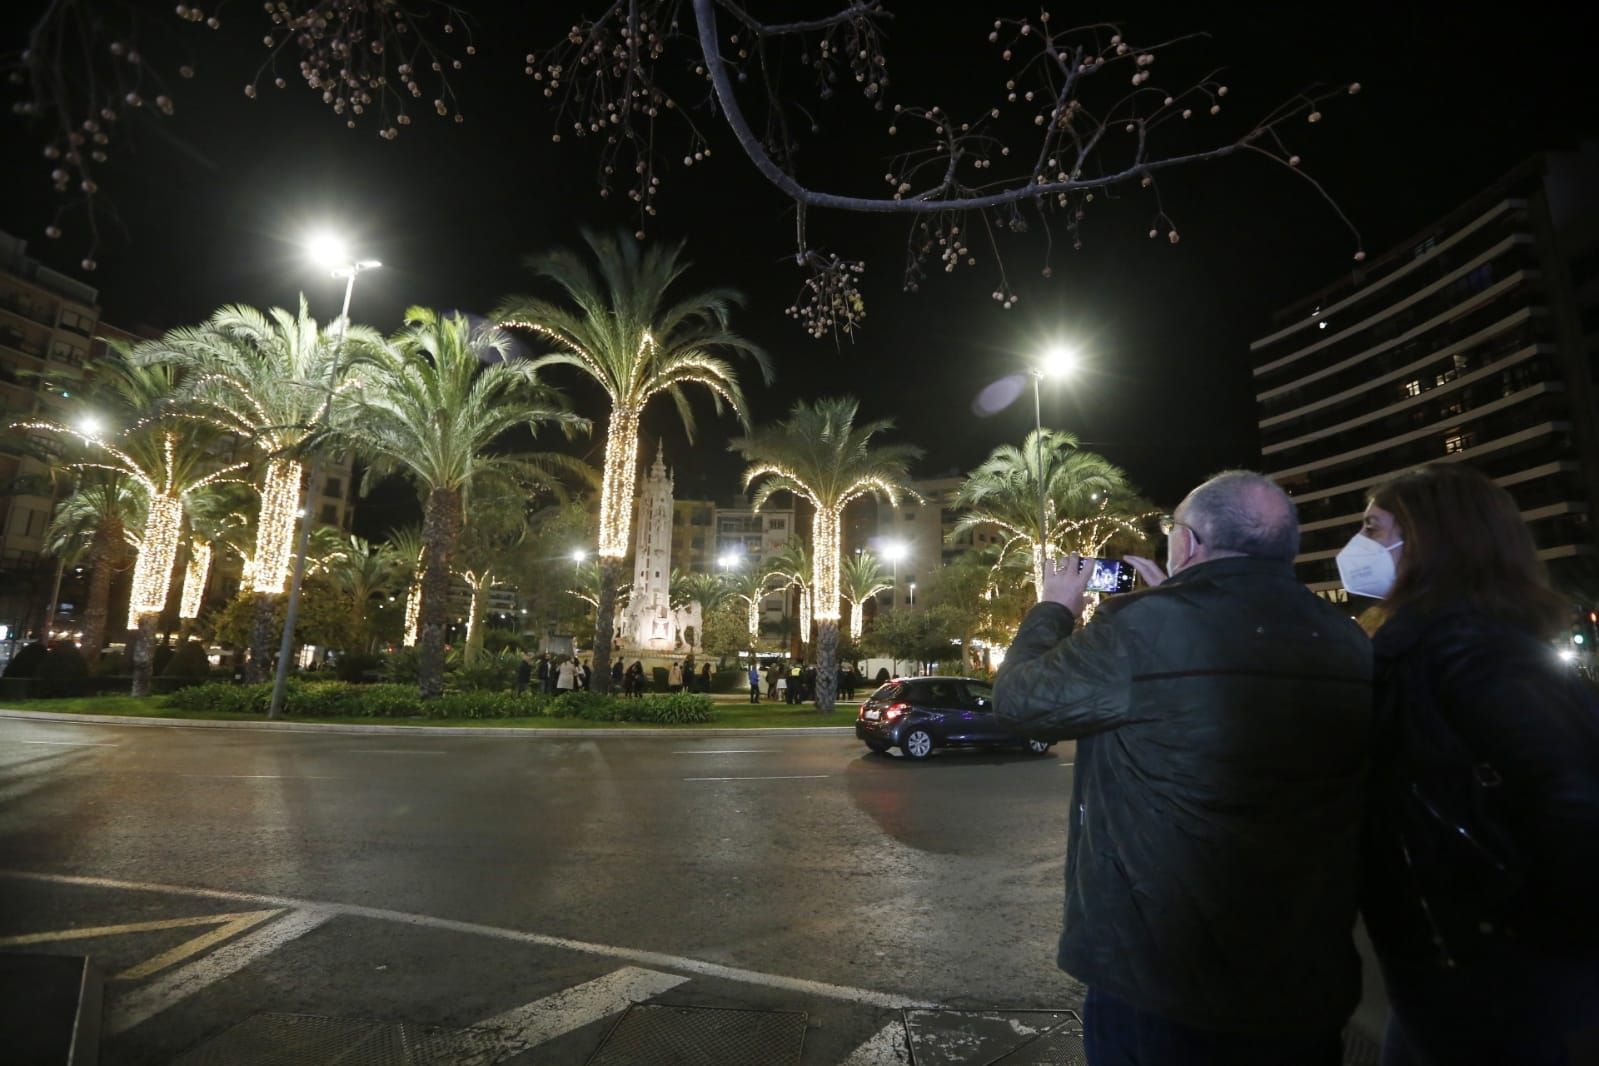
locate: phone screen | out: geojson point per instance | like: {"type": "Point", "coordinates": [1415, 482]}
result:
{"type": "Point", "coordinates": [1111, 575]}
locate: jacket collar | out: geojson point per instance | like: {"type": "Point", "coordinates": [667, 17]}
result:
{"type": "Point", "coordinates": [1232, 566]}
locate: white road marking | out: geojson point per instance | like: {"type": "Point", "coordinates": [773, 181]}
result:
{"type": "Point", "coordinates": [566, 1011]}
{"type": "Point", "coordinates": [729, 751]}
{"type": "Point", "coordinates": [889, 1046]}
{"type": "Point", "coordinates": [639, 956]}
{"type": "Point", "coordinates": [254, 777]}
{"type": "Point", "coordinates": [390, 751]}
{"type": "Point", "coordinates": [783, 777]}
{"type": "Point", "coordinates": [149, 1000]}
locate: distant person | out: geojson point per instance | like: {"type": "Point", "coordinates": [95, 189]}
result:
{"type": "Point", "coordinates": [771, 681]}
{"type": "Point", "coordinates": [808, 684]}
{"type": "Point", "coordinates": [1224, 732]}
{"type": "Point", "coordinates": [524, 672]}
{"type": "Point", "coordinates": [546, 674]}
{"type": "Point", "coordinates": [705, 678]}
{"type": "Point", "coordinates": [617, 673]}
{"type": "Point", "coordinates": [585, 675]}
{"type": "Point", "coordinates": [635, 679]}
{"type": "Point", "coordinates": [782, 686]}
{"type": "Point", "coordinates": [755, 683]}
{"type": "Point", "coordinates": [793, 688]}
{"type": "Point", "coordinates": [674, 677]}
{"type": "Point", "coordinates": [1482, 862]}
{"type": "Point", "coordinates": [846, 680]}
{"type": "Point", "coordinates": [883, 677]}
{"type": "Point", "coordinates": [565, 676]}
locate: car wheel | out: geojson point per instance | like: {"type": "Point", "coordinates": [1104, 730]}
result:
{"type": "Point", "coordinates": [878, 746]}
{"type": "Point", "coordinates": [1039, 747]}
{"type": "Point", "coordinates": [917, 744]}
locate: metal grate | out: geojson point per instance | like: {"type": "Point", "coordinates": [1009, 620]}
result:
{"type": "Point", "coordinates": [1011, 1037]}
{"type": "Point", "coordinates": [310, 1040]}
{"type": "Point", "coordinates": [651, 1034]}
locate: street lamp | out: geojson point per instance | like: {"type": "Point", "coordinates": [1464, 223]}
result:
{"type": "Point", "coordinates": [1057, 362]}
{"type": "Point", "coordinates": [327, 250]}
{"type": "Point", "coordinates": [894, 551]}
{"type": "Point", "coordinates": [913, 594]}
{"type": "Point", "coordinates": [578, 555]}
{"type": "Point", "coordinates": [728, 561]}
{"type": "Point", "coordinates": [91, 426]}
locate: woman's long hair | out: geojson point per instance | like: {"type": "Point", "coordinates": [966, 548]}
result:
{"type": "Point", "coordinates": [1466, 545]}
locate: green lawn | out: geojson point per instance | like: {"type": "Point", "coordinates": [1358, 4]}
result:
{"type": "Point", "coordinates": [725, 715]}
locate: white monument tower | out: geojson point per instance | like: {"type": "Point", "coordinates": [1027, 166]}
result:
{"type": "Point", "coordinates": [649, 625]}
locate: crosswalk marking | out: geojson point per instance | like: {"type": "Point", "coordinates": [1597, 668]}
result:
{"type": "Point", "coordinates": [562, 1012]}
{"type": "Point", "coordinates": [889, 1046]}
{"type": "Point", "coordinates": [149, 1000]}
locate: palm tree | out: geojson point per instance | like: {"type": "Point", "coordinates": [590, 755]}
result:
{"type": "Point", "coordinates": [709, 591]}
{"type": "Point", "coordinates": [432, 405]}
{"type": "Point", "coordinates": [1006, 492]}
{"type": "Point", "coordinates": [862, 577]}
{"type": "Point", "coordinates": [360, 571]}
{"type": "Point", "coordinates": [496, 529]}
{"type": "Point", "coordinates": [752, 586]}
{"type": "Point", "coordinates": [819, 453]}
{"type": "Point", "coordinates": [263, 378]}
{"type": "Point", "coordinates": [626, 328]}
{"type": "Point", "coordinates": [218, 518]}
{"type": "Point", "coordinates": [792, 570]}
{"type": "Point", "coordinates": [92, 524]}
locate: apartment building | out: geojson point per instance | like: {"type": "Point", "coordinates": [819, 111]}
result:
{"type": "Point", "coordinates": [1474, 341]}
{"type": "Point", "coordinates": [923, 532]}
{"type": "Point", "coordinates": [46, 319]}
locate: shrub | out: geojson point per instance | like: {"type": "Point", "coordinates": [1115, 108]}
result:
{"type": "Point", "coordinates": [160, 658]}
{"type": "Point", "coordinates": [590, 706]}
{"type": "Point", "coordinates": [216, 698]}
{"type": "Point", "coordinates": [491, 673]}
{"type": "Point", "coordinates": [403, 667]}
{"type": "Point", "coordinates": [113, 664]}
{"type": "Point", "coordinates": [189, 661]}
{"type": "Point", "coordinates": [354, 666]}
{"type": "Point", "coordinates": [64, 672]}
{"type": "Point", "coordinates": [666, 709]}
{"type": "Point", "coordinates": [26, 662]}
{"type": "Point", "coordinates": [733, 680]}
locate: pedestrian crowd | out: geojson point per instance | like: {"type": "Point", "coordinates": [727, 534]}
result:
{"type": "Point", "coordinates": [1254, 771]}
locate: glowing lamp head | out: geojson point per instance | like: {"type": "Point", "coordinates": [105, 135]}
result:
{"type": "Point", "coordinates": [578, 555]}
{"type": "Point", "coordinates": [894, 551]}
{"type": "Point", "coordinates": [328, 249]}
{"type": "Point", "coordinates": [1058, 362]}
{"type": "Point", "coordinates": [729, 560]}
{"type": "Point", "coordinates": [91, 426]}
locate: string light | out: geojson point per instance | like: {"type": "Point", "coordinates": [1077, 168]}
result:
{"type": "Point", "coordinates": [194, 579]}
{"type": "Point", "coordinates": [413, 613]}
{"type": "Point", "coordinates": [158, 550]}
{"type": "Point", "coordinates": [274, 535]}
{"type": "Point", "coordinates": [621, 474]}
{"type": "Point", "coordinates": [805, 614]}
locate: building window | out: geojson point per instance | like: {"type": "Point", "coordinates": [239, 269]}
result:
{"type": "Point", "coordinates": [62, 352]}
{"type": "Point", "coordinates": [1413, 388]}
{"type": "Point", "coordinates": [777, 523]}
{"type": "Point", "coordinates": [333, 487]}
{"type": "Point", "coordinates": [330, 513]}
{"type": "Point", "coordinates": [71, 320]}
{"type": "Point", "coordinates": [1458, 442]}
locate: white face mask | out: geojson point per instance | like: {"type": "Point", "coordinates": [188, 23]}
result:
{"type": "Point", "coordinates": [1367, 568]}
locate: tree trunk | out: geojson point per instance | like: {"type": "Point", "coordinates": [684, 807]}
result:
{"type": "Point", "coordinates": [103, 553]}
{"type": "Point", "coordinates": [144, 654]}
{"type": "Point", "coordinates": [263, 635]}
{"type": "Point", "coordinates": [441, 528]}
{"type": "Point", "coordinates": [605, 621]}
{"type": "Point", "coordinates": [474, 619]}
{"type": "Point", "coordinates": [826, 664]}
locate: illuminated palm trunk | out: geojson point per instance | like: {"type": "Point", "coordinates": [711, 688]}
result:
{"type": "Point", "coordinates": [856, 613]}
{"type": "Point", "coordinates": [479, 584]}
{"type": "Point", "coordinates": [805, 615]}
{"type": "Point", "coordinates": [413, 610]}
{"type": "Point", "coordinates": [754, 618]}
{"type": "Point", "coordinates": [158, 551]}
{"type": "Point", "coordinates": [195, 576]}
{"type": "Point", "coordinates": [1038, 572]}
{"type": "Point", "coordinates": [274, 534]}
{"type": "Point", "coordinates": [616, 514]}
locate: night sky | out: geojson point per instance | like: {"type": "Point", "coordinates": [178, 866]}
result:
{"type": "Point", "coordinates": [209, 206]}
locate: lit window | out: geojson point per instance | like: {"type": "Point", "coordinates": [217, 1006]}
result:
{"type": "Point", "coordinates": [1413, 388]}
{"type": "Point", "coordinates": [1458, 442]}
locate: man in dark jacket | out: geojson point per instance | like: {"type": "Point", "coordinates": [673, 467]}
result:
{"type": "Point", "coordinates": [1223, 718]}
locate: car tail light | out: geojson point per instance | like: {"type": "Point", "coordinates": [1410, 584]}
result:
{"type": "Point", "coordinates": [894, 710]}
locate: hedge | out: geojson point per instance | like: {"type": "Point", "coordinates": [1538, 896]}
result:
{"type": "Point", "coordinates": [329, 699]}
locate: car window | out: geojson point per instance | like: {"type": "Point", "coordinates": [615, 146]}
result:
{"type": "Point", "coordinates": [942, 694]}
{"type": "Point", "coordinates": [888, 692]}
{"type": "Point", "coordinates": [979, 695]}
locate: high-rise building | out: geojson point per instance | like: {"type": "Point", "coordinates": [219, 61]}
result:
{"type": "Point", "coordinates": [1474, 341]}
{"type": "Point", "coordinates": [46, 320]}
{"type": "Point", "coordinates": [924, 531]}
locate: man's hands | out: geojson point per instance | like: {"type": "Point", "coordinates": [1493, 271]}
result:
{"type": "Point", "coordinates": [1147, 569]}
{"type": "Point", "coordinates": [1065, 584]}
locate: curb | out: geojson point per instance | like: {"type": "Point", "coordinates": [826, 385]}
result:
{"type": "Point", "coordinates": [430, 730]}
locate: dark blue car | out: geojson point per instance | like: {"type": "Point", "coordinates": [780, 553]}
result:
{"type": "Point", "coordinates": [918, 714]}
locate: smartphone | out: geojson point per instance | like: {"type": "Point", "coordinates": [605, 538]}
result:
{"type": "Point", "coordinates": [1110, 575]}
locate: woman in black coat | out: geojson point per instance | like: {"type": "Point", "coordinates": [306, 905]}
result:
{"type": "Point", "coordinates": [1482, 859]}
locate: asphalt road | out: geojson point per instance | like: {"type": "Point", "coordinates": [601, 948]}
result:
{"type": "Point", "coordinates": [530, 887]}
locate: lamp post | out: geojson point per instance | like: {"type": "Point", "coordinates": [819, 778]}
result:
{"type": "Point", "coordinates": [1057, 362]}
{"type": "Point", "coordinates": [331, 252]}
{"type": "Point", "coordinates": [913, 595]}
{"type": "Point", "coordinates": [894, 551]}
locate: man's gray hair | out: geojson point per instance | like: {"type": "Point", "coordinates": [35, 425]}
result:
{"type": "Point", "coordinates": [1246, 513]}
